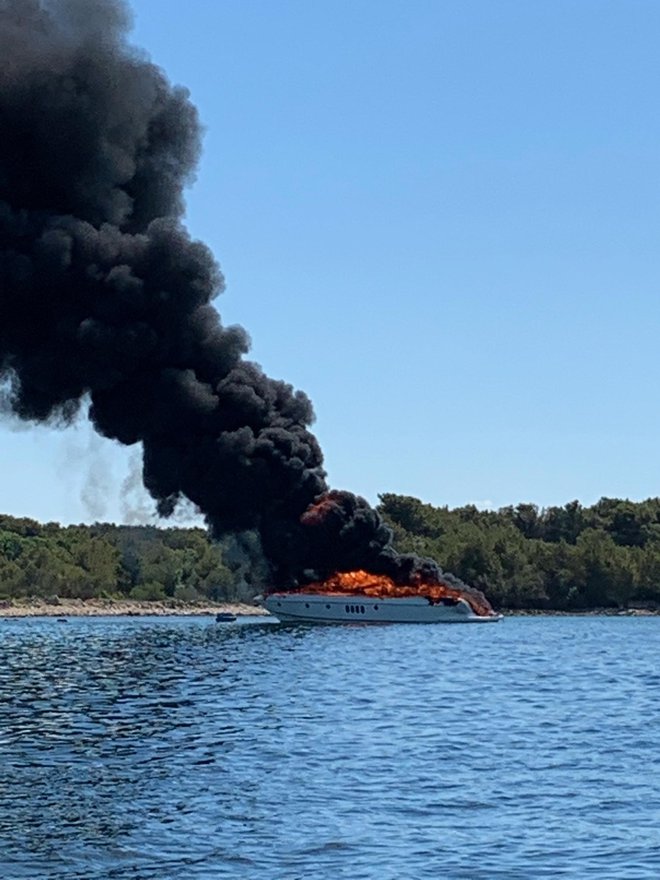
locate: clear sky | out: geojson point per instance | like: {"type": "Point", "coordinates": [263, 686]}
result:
{"type": "Point", "coordinates": [440, 218]}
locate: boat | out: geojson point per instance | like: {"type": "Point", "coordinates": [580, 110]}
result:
{"type": "Point", "coordinates": [301, 607]}
{"type": "Point", "coordinates": [225, 617]}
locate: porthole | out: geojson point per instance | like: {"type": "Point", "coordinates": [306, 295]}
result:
{"type": "Point", "coordinates": [328, 607]}
{"type": "Point", "coordinates": [375, 607]}
{"type": "Point", "coordinates": [347, 609]}
{"type": "Point", "coordinates": [306, 604]}
{"type": "Point", "coordinates": [362, 609]}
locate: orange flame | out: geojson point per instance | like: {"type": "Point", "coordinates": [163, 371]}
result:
{"type": "Point", "coordinates": [382, 587]}
{"type": "Point", "coordinates": [318, 510]}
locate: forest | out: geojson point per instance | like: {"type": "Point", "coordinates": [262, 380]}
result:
{"type": "Point", "coordinates": [113, 562]}
{"type": "Point", "coordinates": [522, 557]}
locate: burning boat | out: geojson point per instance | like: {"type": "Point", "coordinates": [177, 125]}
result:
{"type": "Point", "coordinates": [315, 608]}
{"type": "Point", "coordinates": [358, 597]}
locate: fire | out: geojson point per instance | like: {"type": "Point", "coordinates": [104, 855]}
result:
{"type": "Point", "coordinates": [376, 586]}
{"type": "Point", "coordinates": [318, 511]}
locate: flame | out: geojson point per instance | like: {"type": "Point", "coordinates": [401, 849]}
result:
{"type": "Point", "coordinates": [319, 509]}
{"type": "Point", "coordinates": [377, 586]}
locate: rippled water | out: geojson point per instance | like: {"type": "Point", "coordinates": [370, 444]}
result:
{"type": "Point", "coordinates": [166, 748]}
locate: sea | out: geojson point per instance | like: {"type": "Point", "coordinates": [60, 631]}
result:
{"type": "Point", "coordinates": [182, 749]}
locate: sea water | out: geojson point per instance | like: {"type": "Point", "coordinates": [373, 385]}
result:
{"type": "Point", "coordinates": [159, 748]}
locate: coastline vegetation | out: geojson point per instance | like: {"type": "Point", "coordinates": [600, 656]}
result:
{"type": "Point", "coordinates": [566, 558]}
{"type": "Point", "coordinates": [104, 561]}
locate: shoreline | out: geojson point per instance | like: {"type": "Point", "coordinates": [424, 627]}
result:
{"type": "Point", "coordinates": [590, 612]}
{"type": "Point", "coordinates": [10, 608]}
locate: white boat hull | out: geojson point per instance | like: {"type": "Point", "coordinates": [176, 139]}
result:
{"type": "Point", "coordinates": [317, 608]}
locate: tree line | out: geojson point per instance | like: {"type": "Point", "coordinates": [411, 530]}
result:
{"type": "Point", "coordinates": [114, 562]}
{"type": "Point", "coordinates": [561, 558]}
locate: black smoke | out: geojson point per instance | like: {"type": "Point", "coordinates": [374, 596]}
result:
{"type": "Point", "coordinates": [105, 299]}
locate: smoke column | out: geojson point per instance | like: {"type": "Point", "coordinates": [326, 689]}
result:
{"type": "Point", "coordinates": [104, 297]}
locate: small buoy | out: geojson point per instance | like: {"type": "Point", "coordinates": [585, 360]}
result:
{"type": "Point", "coordinates": [62, 620]}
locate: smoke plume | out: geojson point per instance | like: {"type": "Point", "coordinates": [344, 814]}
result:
{"type": "Point", "coordinates": [104, 297]}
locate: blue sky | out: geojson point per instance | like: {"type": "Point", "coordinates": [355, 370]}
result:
{"type": "Point", "coordinates": [440, 220]}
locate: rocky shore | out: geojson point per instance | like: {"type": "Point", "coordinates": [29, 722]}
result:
{"type": "Point", "coordinates": [586, 612]}
{"type": "Point", "coordinates": [120, 607]}
{"type": "Point", "coordinates": [57, 607]}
